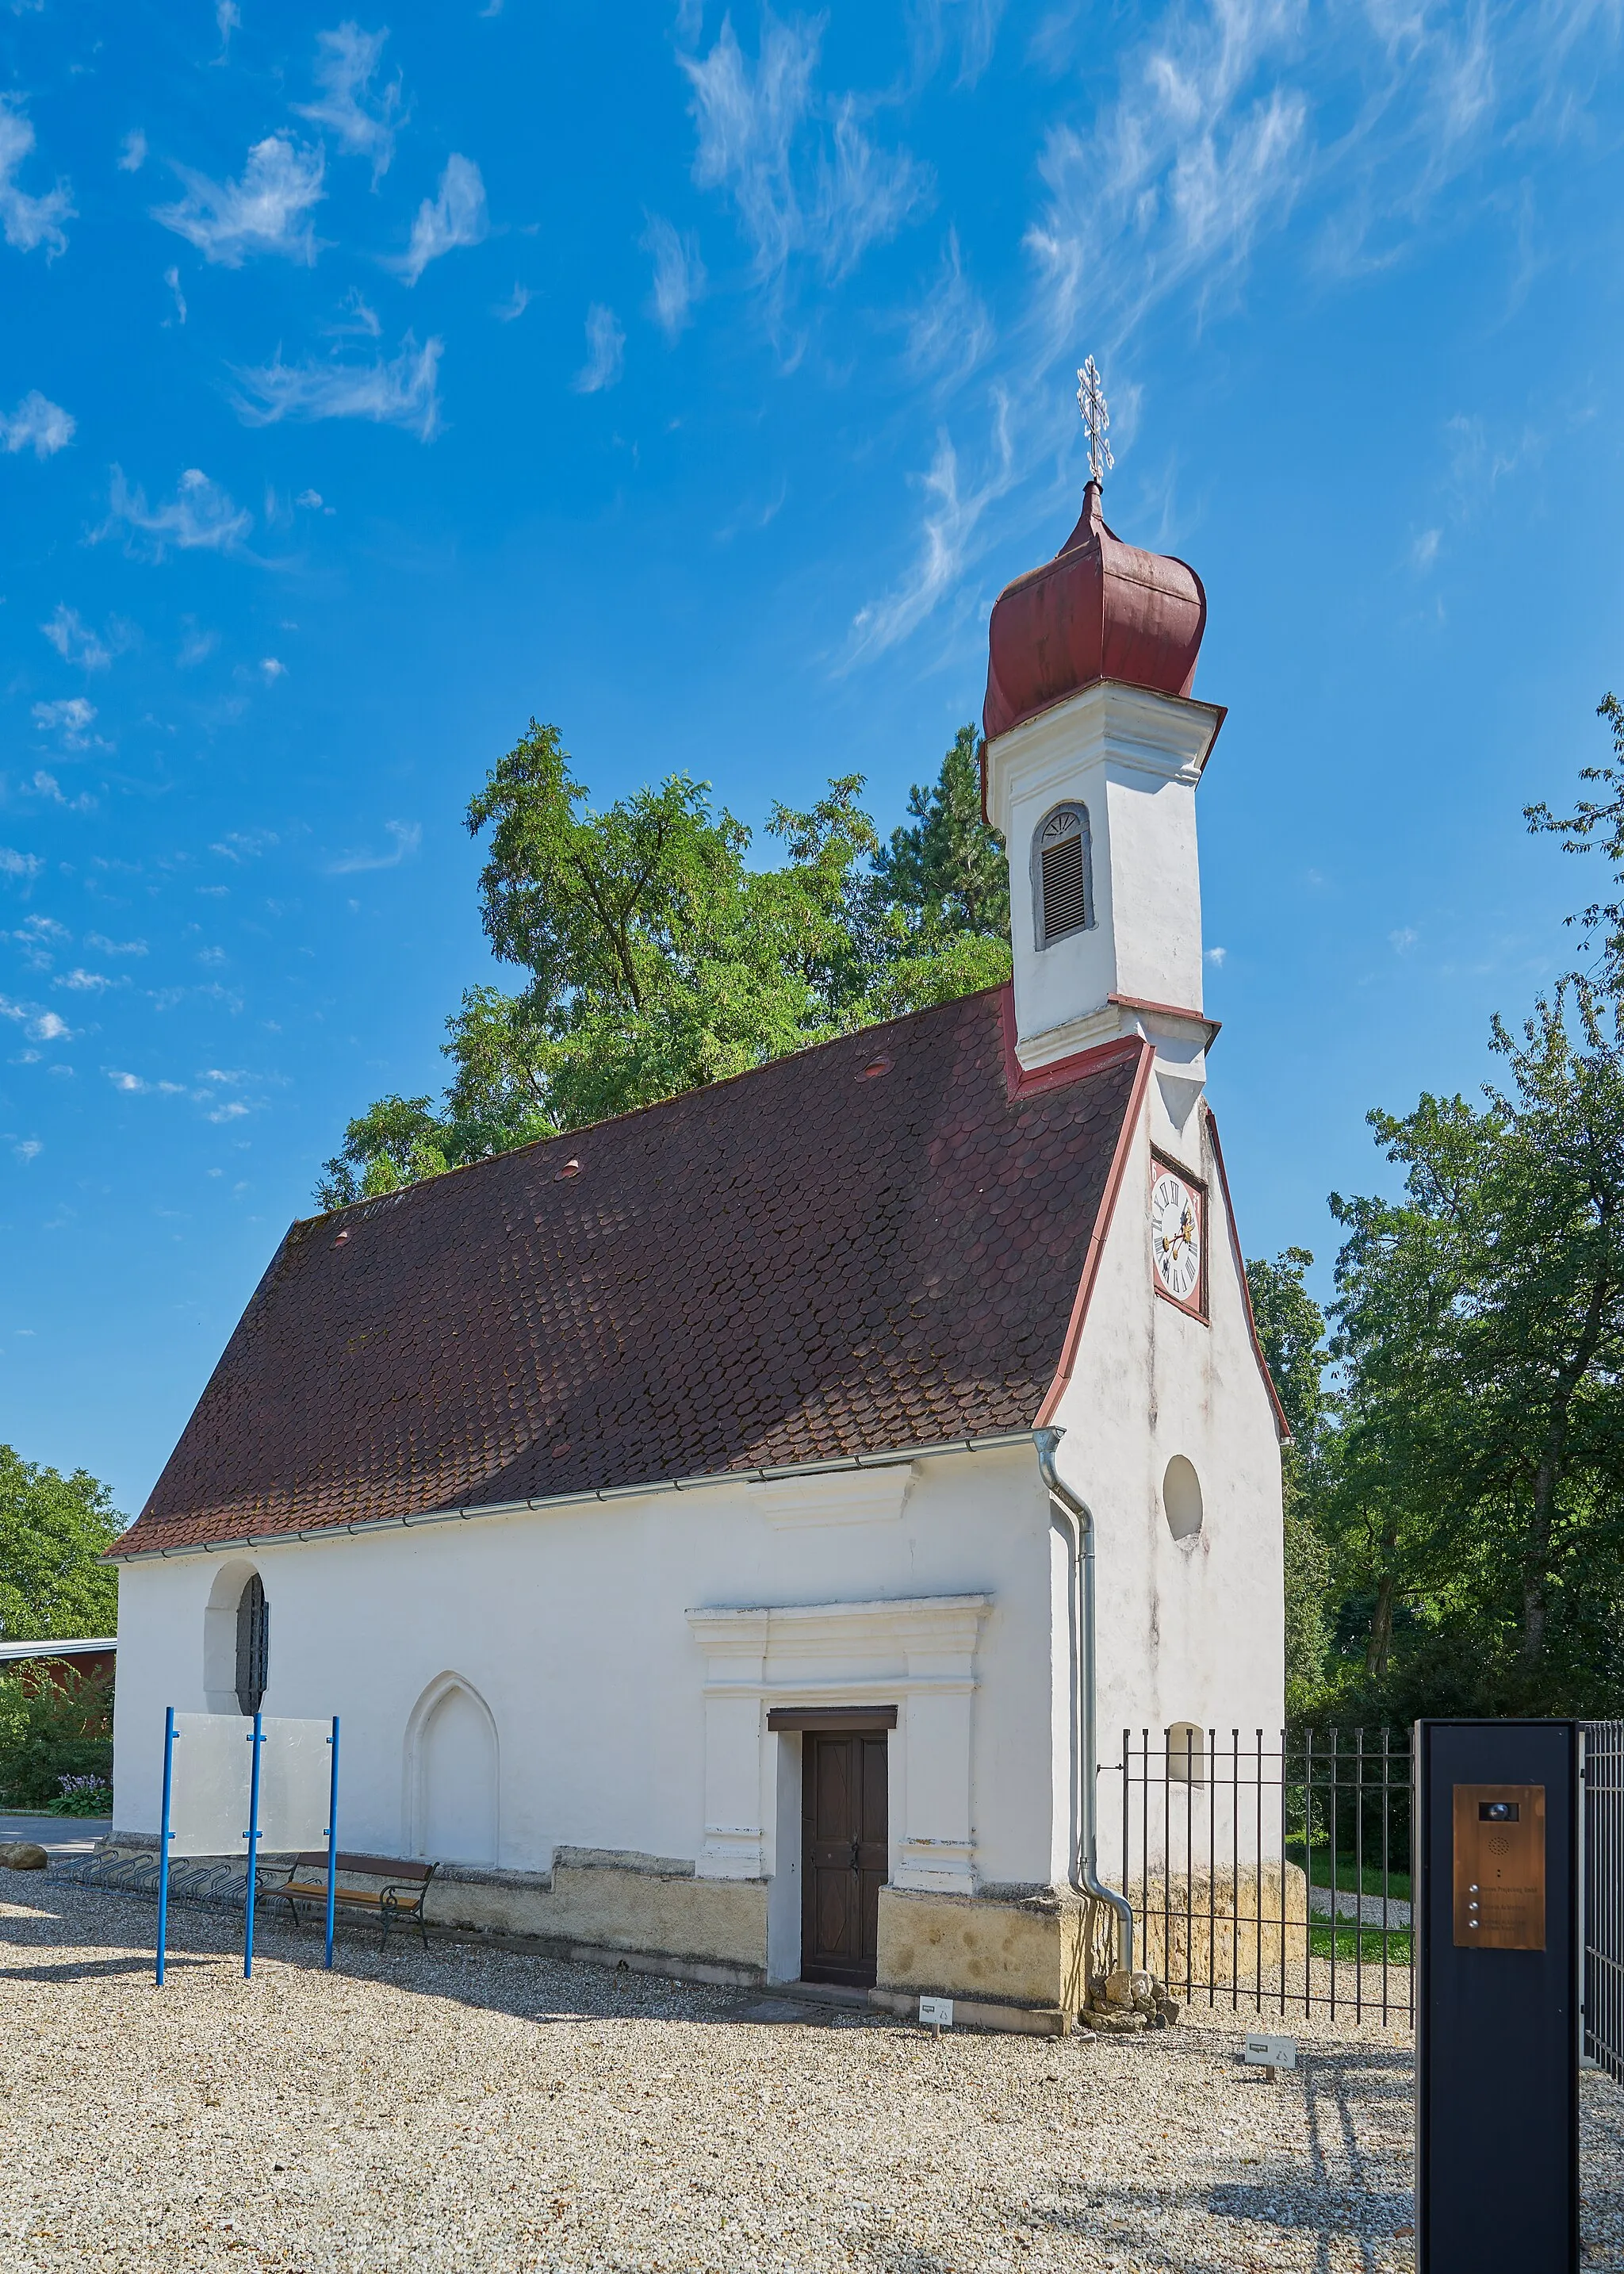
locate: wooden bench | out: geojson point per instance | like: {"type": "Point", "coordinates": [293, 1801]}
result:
{"type": "Point", "coordinates": [399, 1896]}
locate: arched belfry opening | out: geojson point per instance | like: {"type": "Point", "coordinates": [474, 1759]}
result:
{"type": "Point", "coordinates": [1062, 874]}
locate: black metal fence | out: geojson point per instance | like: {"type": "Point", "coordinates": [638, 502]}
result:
{"type": "Point", "coordinates": [1604, 1895]}
{"type": "Point", "coordinates": [1272, 1874]}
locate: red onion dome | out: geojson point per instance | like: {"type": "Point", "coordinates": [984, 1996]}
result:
{"type": "Point", "coordinates": [1099, 609]}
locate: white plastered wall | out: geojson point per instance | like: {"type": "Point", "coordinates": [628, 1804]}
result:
{"type": "Point", "coordinates": [1189, 1630]}
{"type": "Point", "coordinates": [589, 1634]}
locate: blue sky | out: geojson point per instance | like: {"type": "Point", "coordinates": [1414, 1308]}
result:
{"type": "Point", "coordinates": [695, 381]}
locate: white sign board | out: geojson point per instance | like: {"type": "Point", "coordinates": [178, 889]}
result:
{"type": "Point", "coordinates": [209, 1794]}
{"type": "Point", "coordinates": [1271, 2053]}
{"type": "Point", "coordinates": [209, 1791]}
{"type": "Point", "coordinates": [935, 2012]}
{"type": "Point", "coordinates": [295, 1783]}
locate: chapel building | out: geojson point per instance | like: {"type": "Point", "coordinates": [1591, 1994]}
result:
{"type": "Point", "coordinates": [688, 1517]}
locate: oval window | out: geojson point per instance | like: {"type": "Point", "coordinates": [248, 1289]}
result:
{"type": "Point", "coordinates": [1181, 1498]}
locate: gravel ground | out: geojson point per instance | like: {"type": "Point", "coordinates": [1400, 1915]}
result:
{"type": "Point", "coordinates": [477, 2109]}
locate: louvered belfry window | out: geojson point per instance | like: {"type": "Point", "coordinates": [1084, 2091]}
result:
{"type": "Point", "coordinates": [253, 1645]}
{"type": "Point", "coordinates": [1062, 879]}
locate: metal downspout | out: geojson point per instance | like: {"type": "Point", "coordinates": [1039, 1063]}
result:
{"type": "Point", "coordinates": [1084, 1873]}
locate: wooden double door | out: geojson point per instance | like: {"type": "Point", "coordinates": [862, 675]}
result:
{"type": "Point", "coordinates": [842, 1855]}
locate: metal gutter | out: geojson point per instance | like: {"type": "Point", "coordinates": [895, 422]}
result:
{"type": "Point", "coordinates": [898, 1457]}
{"type": "Point", "coordinates": [1085, 1874]}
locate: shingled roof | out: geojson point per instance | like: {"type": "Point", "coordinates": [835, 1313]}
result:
{"type": "Point", "coordinates": [869, 1245]}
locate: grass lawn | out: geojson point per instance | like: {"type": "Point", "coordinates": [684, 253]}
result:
{"type": "Point", "coordinates": [1347, 1876]}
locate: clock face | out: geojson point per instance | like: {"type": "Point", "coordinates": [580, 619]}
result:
{"type": "Point", "coordinates": [1175, 1235]}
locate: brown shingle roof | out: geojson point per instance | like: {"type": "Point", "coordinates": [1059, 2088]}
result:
{"type": "Point", "coordinates": [791, 1266]}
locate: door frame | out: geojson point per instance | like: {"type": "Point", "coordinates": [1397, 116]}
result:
{"type": "Point", "coordinates": [855, 1721]}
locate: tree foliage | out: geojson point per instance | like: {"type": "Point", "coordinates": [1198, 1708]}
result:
{"type": "Point", "coordinates": [1292, 1330]}
{"type": "Point", "coordinates": [53, 1529]}
{"type": "Point", "coordinates": [1455, 1493]}
{"type": "Point", "coordinates": [657, 958]}
{"type": "Point", "coordinates": [53, 1728]}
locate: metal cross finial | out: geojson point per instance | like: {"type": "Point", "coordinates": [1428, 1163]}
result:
{"type": "Point", "coordinates": [1096, 419]}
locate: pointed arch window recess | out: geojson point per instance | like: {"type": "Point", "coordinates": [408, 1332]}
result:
{"type": "Point", "coordinates": [253, 1646]}
{"type": "Point", "coordinates": [1063, 874]}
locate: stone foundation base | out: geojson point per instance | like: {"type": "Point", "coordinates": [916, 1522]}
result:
{"type": "Point", "coordinates": [1223, 1926]}
{"type": "Point", "coordinates": [1019, 1961]}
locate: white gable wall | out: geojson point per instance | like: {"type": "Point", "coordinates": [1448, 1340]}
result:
{"type": "Point", "coordinates": [1189, 1631]}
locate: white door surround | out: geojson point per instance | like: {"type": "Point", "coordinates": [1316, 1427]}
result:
{"type": "Point", "coordinates": [917, 1653]}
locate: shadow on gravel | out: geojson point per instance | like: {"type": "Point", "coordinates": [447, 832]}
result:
{"type": "Point", "coordinates": [90, 1969]}
{"type": "Point", "coordinates": [1330, 2211]}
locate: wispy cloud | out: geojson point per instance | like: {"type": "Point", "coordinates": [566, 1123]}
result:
{"type": "Point", "coordinates": [38, 938]}
{"type": "Point", "coordinates": [200, 518]}
{"type": "Point", "coordinates": [946, 526]}
{"type": "Point", "coordinates": [457, 216]}
{"type": "Point", "coordinates": [606, 351]}
{"type": "Point", "coordinates": [80, 982]}
{"type": "Point", "coordinates": [362, 119]}
{"type": "Point", "coordinates": [105, 946]}
{"type": "Point", "coordinates": [227, 18]}
{"type": "Point", "coordinates": [949, 331]}
{"type": "Point", "coordinates": [802, 171]}
{"type": "Point", "coordinates": [195, 645]}
{"type": "Point", "coordinates": [75, 641]}
{"type": "Point", "coordinates": [267, 211]}
{"type": "Point", "coordinates": [132, 152]}
{"type": "Point", "coordinates": [679, 276]}
{"type": "Point", "coordinates": [970, 26]}
{"type": "Point", "coordinates": [404, 836]}
{"type": "Point", "coordinates": [132, 1085]}
{"type": "Point", "coordinates": [864, 194]}
{"type": "Point", "coordinates": [746, 122]}
{"type": "Point", "coordinates": [14, 863]}
{"type": "Point", "coordinates": [36, 425]}
{"type": "Point", "coordinates": [272, 669]}
{"type": "Point", "coordinates": [1205, 146]}
{"type": "Point", "coordinates": [69, 720]}
{"type": "Point", "coordinates": [508, 312]}
{"type": "Point", "coordinates": [48, 786]}
{"type": "Point", "coordinates": [359, 319]}
{"type": "Point", "coordinates": [28, 222]}
{"type": "Point", "coordinates": [240, 845]}
{"type": "Point", "coordinates": [402, 390]}
{"type": "Point", "coordinates": [171, 278]}
{"type": "Point", "coordinates": [40, 1025]}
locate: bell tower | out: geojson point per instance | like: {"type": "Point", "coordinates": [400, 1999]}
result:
{"type": "Point", "coordinates": [1094, 749]}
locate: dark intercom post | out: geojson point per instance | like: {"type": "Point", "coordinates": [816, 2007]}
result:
{"type": "Point", "coordinates": [1497, 2044]}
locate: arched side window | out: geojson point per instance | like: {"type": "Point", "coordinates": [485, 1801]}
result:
{"type": "Point", "coordinates": [253, 1646]}
{"type": "Point", "coordinates": [1186, 1753]}
{"type": "Point", "coordinates": [1062, 874]}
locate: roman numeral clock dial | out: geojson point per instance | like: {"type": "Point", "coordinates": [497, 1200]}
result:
{"type": "Point", "coordinates": [1175, 1232]}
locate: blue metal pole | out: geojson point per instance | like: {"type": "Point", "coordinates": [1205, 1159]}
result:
{"type": "Point", "coordinates": [253, 1837]}
{"type": "Point", "coordinates": [164, 1837]}
{"type": "Point", "coordinates": [333, 1840]}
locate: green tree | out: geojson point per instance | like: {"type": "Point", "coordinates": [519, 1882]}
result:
{"type": "Point", "coordinates": [949, 869]}
{"type": "Point", "coordinates": [1598, 821]}
{"type": "Point", "coordinates": [1291, 1328]}
{"type": "Point", "coordinates": [1480, 1325]}
{"type": "Point", "coordinates": [53, 1531]}
{"type": "Point", "coordinates": [53, 1728]}
{"type": "Point", "coordinates": [658, 959]}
